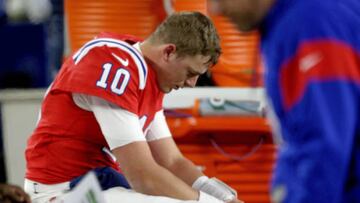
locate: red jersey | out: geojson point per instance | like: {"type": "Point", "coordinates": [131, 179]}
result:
{"type": "Point", "coordinates": [68, 141]}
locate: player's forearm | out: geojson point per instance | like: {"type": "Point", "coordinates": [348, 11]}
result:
{"type": "Point", "coordinates": [185, 170]}
{"type": "Point", "coordinates": [156, 180]}
{"type": "Point", "coordinates": [145, 175]}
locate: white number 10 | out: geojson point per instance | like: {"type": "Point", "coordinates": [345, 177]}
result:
{"type": "Point", "coordinates": [122, 76]}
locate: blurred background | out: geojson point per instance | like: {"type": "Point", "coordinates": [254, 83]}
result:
{"type": "Point", "coordinates": [221, 124]}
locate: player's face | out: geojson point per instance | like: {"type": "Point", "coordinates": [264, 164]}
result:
{"type": "Point", "coordinates": [181, 72]}
{"type": "Point", "coordinates": [246, 14]}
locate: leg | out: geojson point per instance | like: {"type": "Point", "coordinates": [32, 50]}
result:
{"type": "Point", "coordinates": [119, 194]}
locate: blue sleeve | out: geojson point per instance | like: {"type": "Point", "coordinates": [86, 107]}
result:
{"type": "Point", "coordinates": [314, 163]}
{"type": "Point", "coordinates": [314, 84]}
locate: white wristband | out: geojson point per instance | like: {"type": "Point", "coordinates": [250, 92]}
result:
{"type": "Point", "coordinates": [215, 188]}
{"type": "Point", "coordinates": [206, 198]}
{"type": "Point", "coordinates": [198, 183]}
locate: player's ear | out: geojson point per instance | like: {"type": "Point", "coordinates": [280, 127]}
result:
{"type": "Point", "coordinates": [169, 51]}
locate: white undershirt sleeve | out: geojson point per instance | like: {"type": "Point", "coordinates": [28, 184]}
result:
{"type": "Point", "coordinates": [119, 126]}
{"type": "Point", "coordinates": [159, 128]}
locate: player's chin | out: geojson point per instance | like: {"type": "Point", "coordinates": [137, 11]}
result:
{"type": "Point", "coordinates": [166, 89]}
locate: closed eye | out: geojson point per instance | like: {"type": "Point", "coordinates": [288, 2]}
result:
{"type": "Point", "coordinates": [192, 74]}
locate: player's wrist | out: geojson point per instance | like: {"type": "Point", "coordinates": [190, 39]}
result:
{"type": "Point", "coordinates": [215, 187]}
{"type": "Point", "coordinates": [199, 182]}
{"type": "Point", "coordinates": [206, 198]}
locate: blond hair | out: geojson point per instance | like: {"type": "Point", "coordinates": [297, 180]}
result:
{"type": "Point", "coordinates": [192, 33]}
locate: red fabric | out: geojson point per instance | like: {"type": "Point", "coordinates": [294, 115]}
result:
{"type": "Point", "coordinates": [327, 56]}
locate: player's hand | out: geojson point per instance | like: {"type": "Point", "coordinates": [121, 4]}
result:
{"type": "Point", "coordinates": [13, 194]}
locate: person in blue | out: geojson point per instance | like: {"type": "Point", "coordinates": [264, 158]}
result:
{"type": "Point", "coordinates": [311, 49]}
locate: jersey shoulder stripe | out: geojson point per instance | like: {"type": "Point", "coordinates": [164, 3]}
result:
{"type": "Point", "coordinates": [134, 53]}
{"type": "Point", "coordinates": [315, 62]}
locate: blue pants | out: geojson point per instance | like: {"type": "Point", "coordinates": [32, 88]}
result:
{"type": "Point", "coordinates": [107, 177]}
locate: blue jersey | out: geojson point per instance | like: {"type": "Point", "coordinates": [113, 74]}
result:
{"type": "Point", "coordinates": [312, 55]}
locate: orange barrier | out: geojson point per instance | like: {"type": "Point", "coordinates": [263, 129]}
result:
{"type": "Point", "coordinates": [191, 5]}
{"type": "Point", "coordinates": [239, 64]}
{"type": "Point", "coordinates": [87, 18]}
{"type": "Point", "coordinates": [236, 149]}
{"type": "Point", "coordinates": [250, 177]}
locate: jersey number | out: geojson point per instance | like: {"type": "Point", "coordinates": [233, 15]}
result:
{"type": "Point", "coordinates": [119, 82]}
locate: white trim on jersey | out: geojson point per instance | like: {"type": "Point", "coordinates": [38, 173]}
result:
{"type": "Point", "coordinates": [158, 128]}
{"type": "Point", "coordinates": [119, 127]}
{"type": "Point", "coordinates": [133, 52]}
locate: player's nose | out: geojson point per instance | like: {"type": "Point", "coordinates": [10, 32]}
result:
{"type": "Point", "coordinates": [191, 82]}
